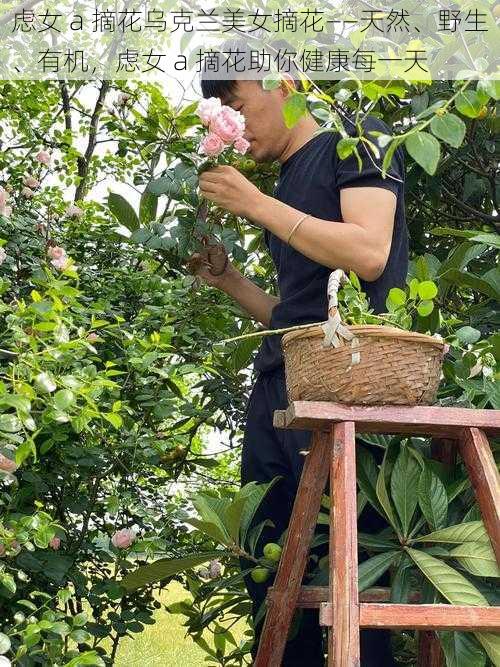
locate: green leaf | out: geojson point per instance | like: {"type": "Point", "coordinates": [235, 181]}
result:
{"type": "Point", "coordinates": [123, 211]}
{"type": "Point", "coordinates": [367, 473]}
{"type": "Point", "coordinates": [427, 289]}
{"type": "Point", "coordinates": [24, 450]}
{"type": "Point", "coordinates": [424, 149]}
{"type": "Point", "coordinates": [472, 531]}
{"type": "Point", "coordinates": [397, 296]}
{"type": "Point", "coordinates": [372, 569]}
{"type": "Point", "coordinates": [461, 650]}
{"type": "Point", "coordinates": [404, 487]}
{"type": "Point", "coordinates": [453, 586]}
{"type": "Point", "coordinates": [345, 146]}
{"type": "Point", "coordinates": [113, 418]}
{"type": "Point", "coordinates": [432, 499]}
{"type": "Point", "coordinates": [64, 398]}
{"type": "Point", "coordinates": [468, 103]}
{"type": "Point", "coordinates": [381, 488]}
{"type": "Point", "coordinates": [271, 81]}
{"type": "Point", "coordinates": [468, 335]}
{"type": "Point", "coordinates": [449, 128]}
{"type": "Point", "coordinates": [91, 658]}
{"type": "Point", "coordinates": [294, 108]}
{"type": "Point", "coordinates": [153, 573]}
{"type": "Point", "coordinates": [478, 559]}
{"type": "Point", "coordinates": [255, 498]}
{"type": "Point", "coordinates": [490, 86]}
{"type": "Point", "coordinates": [468, 279]}
{"type": "Point", "coordinates": [176, 183]}
{"type": "Point", "coordinates": [45, 383]}
{"type": "Point", "coordinates": [492, 240]}
{"type": "Point", "coordinates": [425, 308]}
{"type": "Point", "coordinates": [147, 207]}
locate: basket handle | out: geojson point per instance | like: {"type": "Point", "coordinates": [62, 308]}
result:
{"type": "Point", "coordinates": [336, 333]}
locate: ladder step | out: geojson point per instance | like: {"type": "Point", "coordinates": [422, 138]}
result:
{"type": "Point", "coordinates": [421, 616]}
{"type": "Point", "coordinates": [311, 597]}
{"type": "Point", "coordinates": [388, 419]}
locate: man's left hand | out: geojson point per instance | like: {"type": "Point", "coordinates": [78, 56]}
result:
{"type": "Point", "coordinates": [228, 188]}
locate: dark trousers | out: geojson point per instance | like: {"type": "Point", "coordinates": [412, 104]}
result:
{"type": "Point", "coordinates": [269, 452]}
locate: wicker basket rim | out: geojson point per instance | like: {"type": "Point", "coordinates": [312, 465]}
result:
{"type": "Point", "coordinates": [380, 331]}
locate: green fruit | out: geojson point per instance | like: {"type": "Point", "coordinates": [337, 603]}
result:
{"type": "Point", "coordinates": [259, 574]}
{"type": "Point", "coordinates": [249, 164]}
{"type": "Point", "coordinates": [272, 551]}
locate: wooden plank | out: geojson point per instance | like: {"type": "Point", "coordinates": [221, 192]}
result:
{"type": "Point", "coordinates": [420, 616]}
{"type": "Point", "coordinates": [291, 568]}
{"type": "Point", "coordinates": [476, 453]}
{"type": "Point", "coordinates": [418, 420]}
{"type": "Point", "coordinates": [310, 597]}
{"type": "Point", "coordinates": [343, 635]}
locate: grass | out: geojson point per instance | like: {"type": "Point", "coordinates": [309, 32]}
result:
{"type": "Point", "coordinates": [165, 644]}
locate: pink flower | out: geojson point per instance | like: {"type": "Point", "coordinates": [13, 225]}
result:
{"type": "Point", "coordinates": [60, 263]}
{"type": "Point", "coordinates": [208, 109]}
{"type": "Point", "coordinates": [27, 192]}
{"type": "Point", "coordinates": [4, 196]}
{"type": "Point", "coordinates": [241, 145]}
{"type": "Point", "coordinates": [212, 145]}
{"type": "Point", "coordinates": [55, 543]}
{"type": "Point", "coordinates": [56, 252]}
{"type": "Point", "coordinates": [43, 157]}
{"type": "Point", "coordinates": [92, 337]}
{"type": "Point", "coordinates": [3, 255]}
{"type": "Point", "coordinates": [7, 465]}
{"type": "Point", "coordinates": [228, 124]}
{"type": "Point", "coordinates": [123, 538]}
{"type": "Point", "coordinates": [31, 181]}
{"type": "Point", "coordinates": [74, 211]}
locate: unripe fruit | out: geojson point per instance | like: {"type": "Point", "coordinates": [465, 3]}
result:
{"type": "Point", "coordinates": [249, 164]}
{"type": "Point", "coordinates": [259, 574]}
{"type": "Point", "coordinates": [272, 551]}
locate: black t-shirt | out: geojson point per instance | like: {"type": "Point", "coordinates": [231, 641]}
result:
{"type": "Point", "coordinates": [310, 180]}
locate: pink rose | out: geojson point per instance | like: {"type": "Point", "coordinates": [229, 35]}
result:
{"type": "Point", "coordinates": [31, 181]}
{"type": "Point", "coordinates": [92, 337]}
{"type": "Point", "coordinates": [60, 263]}
{"type": "Point", "coordinates": [123, 538]}
{"type": "Point", "coordinates": [208, 109]}
{"type": "Point", "coordinates": [43, 157]}
{"type": "Point", "coordinates": [74, 211]}
{"type": "Point", "coordinates": [6, 464]}
{"type": "Point", "coordinates": [56, 252]}
{"type": "Point", "coordinates": [4, 196]}
{"type": "Point", "coordinates": [212, 145]}
{"type": "Point", "coordinates": [241, 145]}
{"type": "Point", "coordinates": [228, 124]}
{"type": "Point", "coordinates": [3, 255]}
{"type": "Point", "coordinates": [55, 543]}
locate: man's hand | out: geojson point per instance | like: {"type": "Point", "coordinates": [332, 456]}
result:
{"type": "Point", "coordinates": [212, 265]}
{"type": "Point", "coordinates": [228, 188]}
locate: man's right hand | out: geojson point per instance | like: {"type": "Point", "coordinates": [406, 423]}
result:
{"type": "Point", "coordinates": [213, 258]}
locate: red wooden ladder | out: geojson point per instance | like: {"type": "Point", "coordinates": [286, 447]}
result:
{"type": "Point", "coordinates": [342, 610]}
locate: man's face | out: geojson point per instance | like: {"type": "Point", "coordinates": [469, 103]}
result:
{"type": "Point", "coordinates": [264, 124]}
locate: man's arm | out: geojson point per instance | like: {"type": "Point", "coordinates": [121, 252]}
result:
{"type": "Point", "coordinates": [360, 243]}
{"type": "Point", "coordinates": [257, 303]}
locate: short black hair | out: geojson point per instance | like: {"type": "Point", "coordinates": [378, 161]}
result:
{"type": "Point", "coordinates": [240, 48]}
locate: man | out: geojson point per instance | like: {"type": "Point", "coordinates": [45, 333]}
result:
{"type": "Point", "coordinates": [356, 222]}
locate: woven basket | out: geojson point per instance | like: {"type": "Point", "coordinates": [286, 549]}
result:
{"type": "Point", "coordinates": [382, 365]}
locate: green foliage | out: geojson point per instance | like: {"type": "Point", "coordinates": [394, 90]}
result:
{"type": "Point", "coordinates": [110, 381]}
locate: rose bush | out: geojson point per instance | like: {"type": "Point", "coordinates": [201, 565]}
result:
{"type": "Point", "coordinates": [110, 382]}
